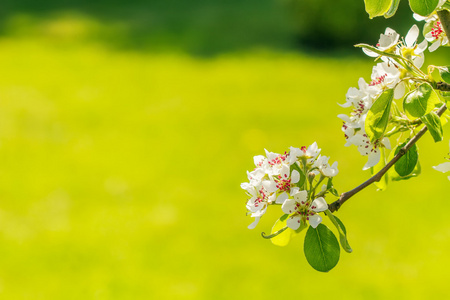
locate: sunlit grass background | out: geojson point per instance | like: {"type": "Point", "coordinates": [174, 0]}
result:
{"type": "Point", "coordinates": [120, 172]}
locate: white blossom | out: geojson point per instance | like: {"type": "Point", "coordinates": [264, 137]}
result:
{"type": "Point", "coordinates": [387, 41]}
{"type": "Point", "coordinates": [302, 210]}
{"type": "Point", "coordinates": [310, 153]}
{"type": "Point", "coordinates": [324, 167]}
{"type": "Point", "coordinates": [275, 163]}
{"type": "Point", "coordinates": [284, 184]}
{"type": "Point", "coordinates": [258, 203]}
{"type": "Point", "coordinates": [369, 149]}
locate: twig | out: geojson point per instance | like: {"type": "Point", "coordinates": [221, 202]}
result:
{"type": "Point", "coordinates": [377, 177]}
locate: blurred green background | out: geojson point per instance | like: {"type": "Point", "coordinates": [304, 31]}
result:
{"type": "Point", "coordinates": [127, 127]}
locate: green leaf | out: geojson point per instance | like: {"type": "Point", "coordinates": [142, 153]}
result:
{"type": "Point", "coordinates": [420, 101]}
{"type": "Point", "coordinates": [445, 74]}
{"type": "Point", "coordinates": [433, 123]}
{"type": "Point", "coordinates": [395, 177]}
{"type": "Point", "coordinates": [302, 180]}
{"type": "Point", "coordinates": [393, 9]}
{"type": "Point", "coordinates": [330, 183]}
{"type": "Point", "coordinates": [377, 8]}
{"type": "Point", "coordinates": [283, 238]}
{"type": "Point", "coordinates": [406, 164]}
{"type": "Point", "coordinates": [342, 231]}
{"type": "Point", "coordinates": [382, 184]}
{"type": "Point", "coordinates": [321, 248]}
{"type": "Point", "coordinates": [423, 7]}
{"type": "Point", "coordinates": [334, 192]}
{"type": "Point", "coordinates": [378, 116]}
{"type": "Point", "coordinates": [330, 187]}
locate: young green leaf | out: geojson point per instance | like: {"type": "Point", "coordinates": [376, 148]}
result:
{"type": "Point", "coordinates": [382, 184]}
{"type": "Point", "coordinates": [378, 116]}
{"type": "Point", "coordinates": [283, 238]}
{"type": "Point", "coordinates": [377, 8]}
{"type": "Point", "coordinates": [331, 188]}
{"type": "Point", "coordinates": [393, 9]}
{"type": "Point", "coordinates": [423, 7]}
{"type": "Point", "coordinates": [302, 180]}
{"type": "Point", "coordinates": [395, 177]}
{"type": "Point", "coordinates": [406, 164]}
{"type": "Point", "coordinates": [342, 231]}
{"type": "Point", "coordinates": [433, 123]}
{"type": "Point", "coordinates": [445, 74]}
{"type": "Point", "coordinates": [321, 248]}
{"type": "Point", "coordinates": [420, 101]}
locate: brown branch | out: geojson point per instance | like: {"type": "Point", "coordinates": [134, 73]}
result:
{"type": "Point", "coordinates": [443, 86]}
{"type": "Point", "coordinates": [377, 177]}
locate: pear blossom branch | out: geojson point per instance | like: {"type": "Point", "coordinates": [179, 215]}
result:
{"type": "Point", "coordinates": [377, 177]}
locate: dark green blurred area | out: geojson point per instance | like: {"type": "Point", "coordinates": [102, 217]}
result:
{"type": "Point", "coordinates": [203, 27]}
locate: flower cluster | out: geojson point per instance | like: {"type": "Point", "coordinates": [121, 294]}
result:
{"type": "Point", "coordinates": [433, 31]}
{"type": "Point", "coordinates": [388, 74]}
{"type": "Point", "coordinates": [289, 180]}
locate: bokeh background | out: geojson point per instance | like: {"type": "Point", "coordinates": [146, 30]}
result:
{"type": "Point", "coordinates": [126, 128]}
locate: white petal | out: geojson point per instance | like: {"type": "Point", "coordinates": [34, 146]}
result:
{"type": "Point", "coordinates": [399, 90]}
{"type": "Point", "coordinates": [281, 198]}
{"type": "Point", "coordinates": [444, 167]}
{"type": "Point", "coordinates": [246, 186]}
{"type": "Point", "coordinates": [434, 46]}
{"type": "Point", "coordinates": [250, 189]}
{"type": "Point", "coordinates": [258, 159]}
{"type": "Point", "coordinates": [288, 206]}
{"type": "Point", "coordinates": [293, 222]}
{"type": "Point", "coordinates": [319, 205]}
{"type": "Point", "coordinates": [258, 214]}
{"type": "Point", "coordinates": [412, 35]}
{"type": "Point", "coordinates": [370, 53]}
{"type": "Point", "coordinates": [294, 190]}
{"type": "Point", "coordinates": [251, 205]}
{"type": "Point", "coordinates": [301, 196]}
{"type": "Point", "coordinates": [334, 170]}
{"type": "Point", "coordinates": [253, 225]}
{"type": "Point", "coordinates": [357, 139]}
{"type": "Point", "coordinates": [284, 172]}
{"type": "Point", "coordinates": [315, 220]}
{"type": "Point", "coordinates": [421, 47]}
{"type": "Point", "coordinates": [418, 61]}
{"type": "Point", "coordinates": [271, 198]}
{"type": "Point", "coordinates": [418, 17]}
{"type": "Point", "coordinates": [374, 158]}
{"type": "Point", "coordinates": [345, 105]}
{"type": "Point", "coordinates": [295, 176]}
{"type": "Point", "coordinates": [387, 143]}
{"type": "Point", "coordinates": [270, 186]}
{"type": "Point", "coordinates": [344, 118]}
